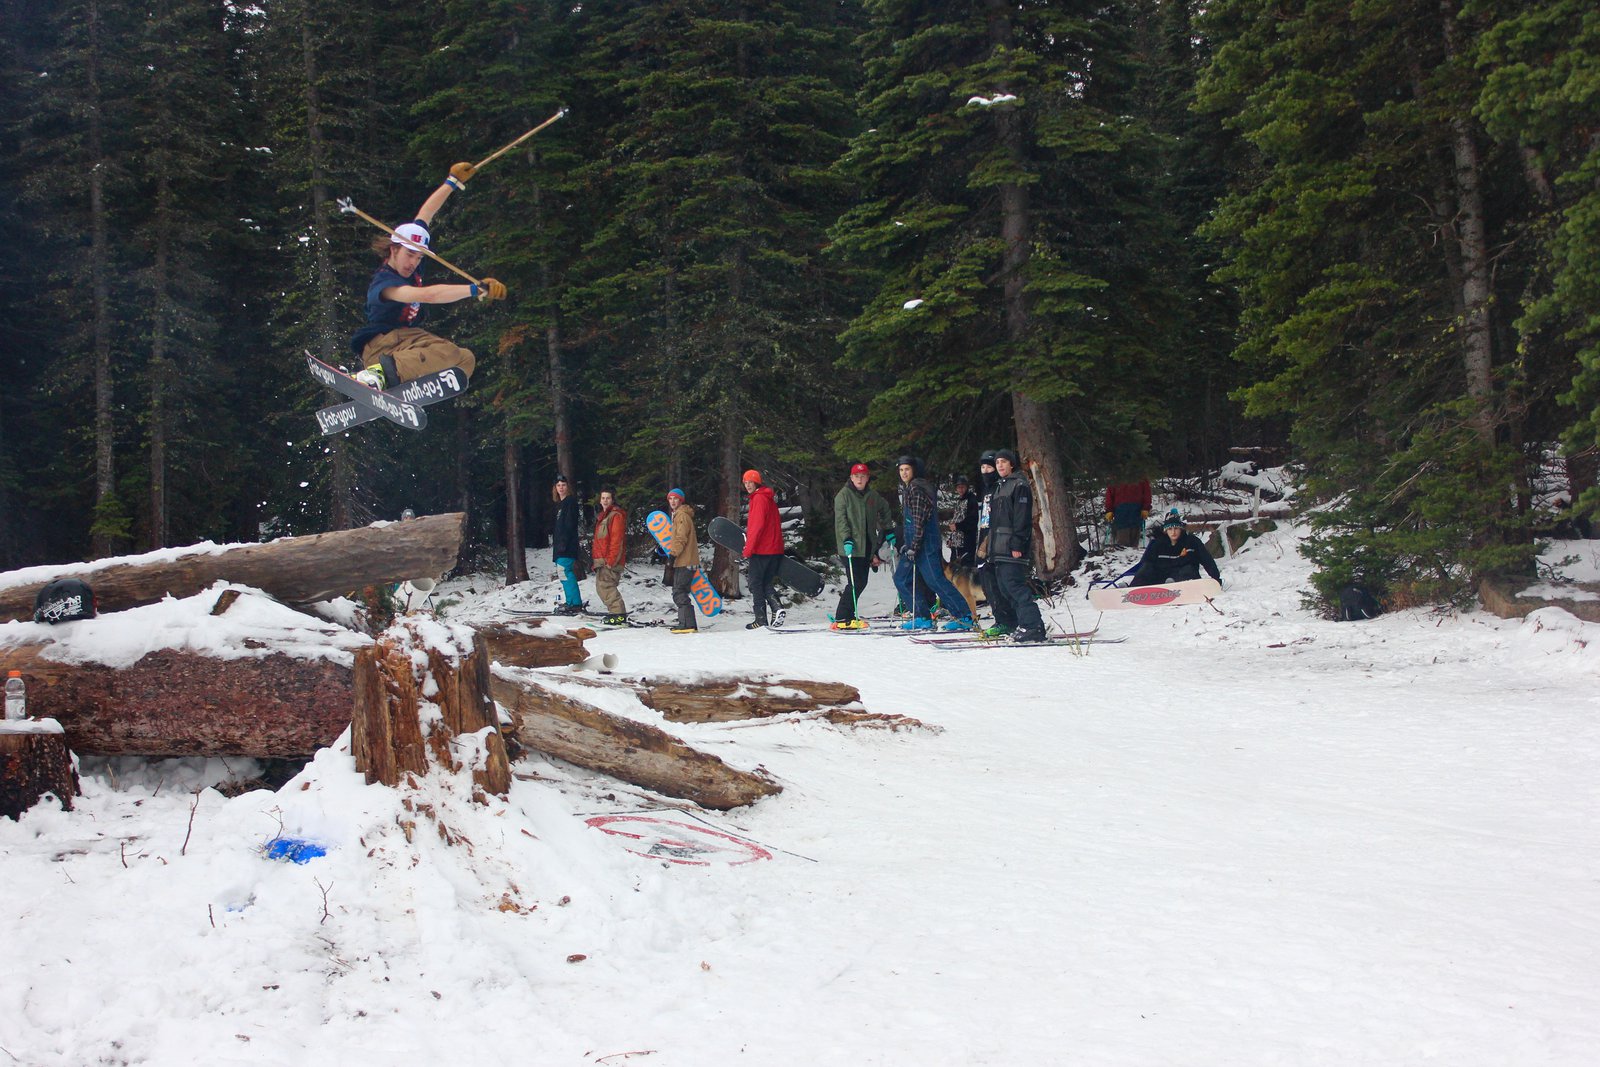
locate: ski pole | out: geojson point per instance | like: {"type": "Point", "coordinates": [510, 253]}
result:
{"type": "Point", "coordinates": [489, 159]}
{"type": "Point", "coordinates": [349, 208]}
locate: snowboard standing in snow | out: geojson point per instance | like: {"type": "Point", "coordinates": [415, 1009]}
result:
{"type": "Point", "coordinates": [1195, 591]}
{"type": "Point", "coordinates": [420, 392]}
{"type": "Point", "coordinates": [791, 572]}
{"type": "Point", "coordinates": [706, 598]}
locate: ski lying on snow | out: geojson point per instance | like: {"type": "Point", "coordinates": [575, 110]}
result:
{"type": "Point", "coordinates": [925, 638]}
{"type": "Point", "coordinates": [1051, 642]}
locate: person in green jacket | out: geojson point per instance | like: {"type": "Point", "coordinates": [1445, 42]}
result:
{"type": "Point", "coordinates": [861, 518]}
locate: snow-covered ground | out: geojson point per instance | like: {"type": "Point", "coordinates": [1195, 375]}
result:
{"type": "Point", "coordinates": [1244, 836]}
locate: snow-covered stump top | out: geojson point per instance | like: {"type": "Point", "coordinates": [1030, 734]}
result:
{"type": "Point", "coordinates": [422, 707]}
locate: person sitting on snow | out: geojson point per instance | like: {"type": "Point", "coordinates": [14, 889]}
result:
{"type": "Point", "coordinates": [1176, 557]}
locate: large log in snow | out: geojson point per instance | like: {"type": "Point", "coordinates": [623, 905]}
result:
{"type": "Point", "coordinates": [581, 733]}
{"type": "Point", "coordinates": [174, 702]}
{"type": "Point", "coordinates": [295, 570]}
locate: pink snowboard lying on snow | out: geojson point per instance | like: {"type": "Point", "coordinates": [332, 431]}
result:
{"type": "Point", "coordinates": [1197, 591]}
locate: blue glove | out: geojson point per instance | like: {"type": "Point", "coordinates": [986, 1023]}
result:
{"type": "Point", "coordinates": [849, 548]}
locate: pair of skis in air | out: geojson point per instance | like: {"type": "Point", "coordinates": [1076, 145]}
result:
{"type": "Point", "coordinates": [403, 405]}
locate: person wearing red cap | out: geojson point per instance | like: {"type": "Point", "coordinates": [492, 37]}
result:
{"type": "Point", "coordinates": [861, 518]}
{"type": "Point", "coordinates": [763, 545]}
{"type": "Point", "coordinates": [392, 346]}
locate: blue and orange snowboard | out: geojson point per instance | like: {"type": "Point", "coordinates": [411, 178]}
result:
{"type": "Point", "coordinates": [659, 523]}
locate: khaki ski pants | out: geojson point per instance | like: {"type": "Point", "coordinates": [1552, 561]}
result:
{"type": "Point", "coordinates": [417, 352]}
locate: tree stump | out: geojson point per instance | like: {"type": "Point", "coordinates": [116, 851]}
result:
{"type": "Point", "coordinates": [422, 702]}
{"type": "Point", "coordinates": [34, 760]}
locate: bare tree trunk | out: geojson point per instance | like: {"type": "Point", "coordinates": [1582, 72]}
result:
{"type": "Point", "coordinates": [160, 364]}
{"type": "Point", "coordinates": [516, 540]}
{"type": "Point", "coordinates": [558, 401]}
{"type": "Point", "coordinates": [1055, 549]}
{"type": "Point", "coordinates": [342, 512]}
{"type": "Point", "coordinates": [106, 539]}
{"type": "Point", "coordinates": [724, 565]}
{"type": "Point", "coordinates": [1477, 332]}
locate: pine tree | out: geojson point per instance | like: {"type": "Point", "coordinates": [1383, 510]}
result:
{"type": "Point", "coordinates": [1000, 179]}
{"type": "Point", "coordinates": [712, 314]}
{"type": "Point", "coordinates": [1361, 232]}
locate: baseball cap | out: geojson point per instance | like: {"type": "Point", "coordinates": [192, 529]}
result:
{"type": "Point", "coordinates": [412, 236]}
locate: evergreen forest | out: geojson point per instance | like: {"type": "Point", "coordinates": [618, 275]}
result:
{"type": "Point", "coordinates": [1118, 236]}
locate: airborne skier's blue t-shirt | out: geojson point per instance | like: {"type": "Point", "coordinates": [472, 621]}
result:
{"type": "Point", "coordinates": [385, 315]}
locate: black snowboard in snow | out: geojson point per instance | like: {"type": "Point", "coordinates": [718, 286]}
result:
{"type": "Point", "coordinates": [791, 572]}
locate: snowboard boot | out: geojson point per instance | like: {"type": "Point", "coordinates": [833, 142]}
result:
{"type": "Point", "coordinates": [1025, 636]}
{"type": "Point", "coordinates": [371, 377]}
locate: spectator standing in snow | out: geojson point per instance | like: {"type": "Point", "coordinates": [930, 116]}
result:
{"type": "Point", "coordinates": [564, 547]}
{"type": "Point", "coordinates": [861, 520]}
{"type": "Point", "coordinates": [683, 552]}
{"type": "Point", "coordinates": [920, 573]}
{"type": "Point", "coordinates": [1127, 506]}
{"type": "Point", "coordinates": [1174, 555]}
{"type": "Point", "coordinates": [763, 547]}
{"type": "Point", "coordinates": [964, 523]}
{"type": "Point", "coordinates": [1010, 547]}
{"type": "Point", "coordinates": [610, 556]}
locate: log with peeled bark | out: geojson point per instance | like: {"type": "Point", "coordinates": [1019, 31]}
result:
{"type": "Point", "coordinates": [534, 643]}
{"type": "Point", "coordinates": [578, 732]}
{"type": "Point", "coordinates": [34, 760]}
{"type": "Point", "coordinates": [731, 698]}
{"type": "Point", "coordinates": [295, 570]}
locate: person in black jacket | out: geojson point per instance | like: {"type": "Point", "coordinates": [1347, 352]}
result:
{"type": "Point", "coordinates": [1010, 547]}
{"type": "Point", "coordinates": [564, 546]}
{"type": "Point", "coordinates": [1174, 555]}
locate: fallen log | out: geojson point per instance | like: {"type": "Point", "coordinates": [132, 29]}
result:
{"type": "Point", "coordinates": [180, 703]}
{"type": "Point", "coordinates": [34, 760]}
{"type": "Point", "coordinates": [583, 734]}
{"type": "Point", "coordinates": [534, 643]}
{"type": "Point", "coordinates": [729, 698]}
{"type": "Point", "coordinates": [295, 570]}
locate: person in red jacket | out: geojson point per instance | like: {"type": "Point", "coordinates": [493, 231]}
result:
{"type": "Point", "coordinates": [1127, 506]}
{"type": "Point", "coordinates": [610, 556]}
{"type": "Point", "coordinates": [763, 546]}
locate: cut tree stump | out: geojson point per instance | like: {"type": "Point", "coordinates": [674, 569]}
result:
{"type": "Point", "coordinates": [577, 732]}
{"type": "Point", "coordinates": [417, 712]}
{"type": "Point", "coordinates": [34, 760]}
{"type": "Point", "coordinates": [295, 570]}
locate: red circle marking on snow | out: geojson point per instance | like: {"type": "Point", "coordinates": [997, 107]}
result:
{"type": "Point", "coordinates": [680, 842]}
{"type": "Point", "coordinates": [1151, 597]}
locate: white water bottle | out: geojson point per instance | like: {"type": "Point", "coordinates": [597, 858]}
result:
{"type": "Point", "coordinates": [16, 697]}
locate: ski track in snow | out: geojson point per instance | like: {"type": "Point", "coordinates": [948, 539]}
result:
{"type": "Point", "coordinates": [1376, 844]}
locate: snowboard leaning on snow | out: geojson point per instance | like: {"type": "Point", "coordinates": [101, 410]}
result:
{"type": "Point", "coordinates": [659, 523]}
{"type": "Point", "coordinates": [402, 404]}
{"type": "Point", "coordinates": [1195, 591]}
{"type": "Point", "coordinates": [791, 572]}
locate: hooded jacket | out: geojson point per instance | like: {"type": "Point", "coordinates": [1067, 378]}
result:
{"type": "Point", "coordinates": [763, 536]}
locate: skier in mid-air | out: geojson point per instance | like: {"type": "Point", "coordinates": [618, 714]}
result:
{"type": "Point", "coordinates": [392, 347]}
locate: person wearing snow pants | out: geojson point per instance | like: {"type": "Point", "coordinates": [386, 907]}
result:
{"type": "Point", "coordinates": [920, 573]}
{"type": "Point", "coordinates": [1010, 545]}
{"type": "Point", "coordinates": [564, 546]}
